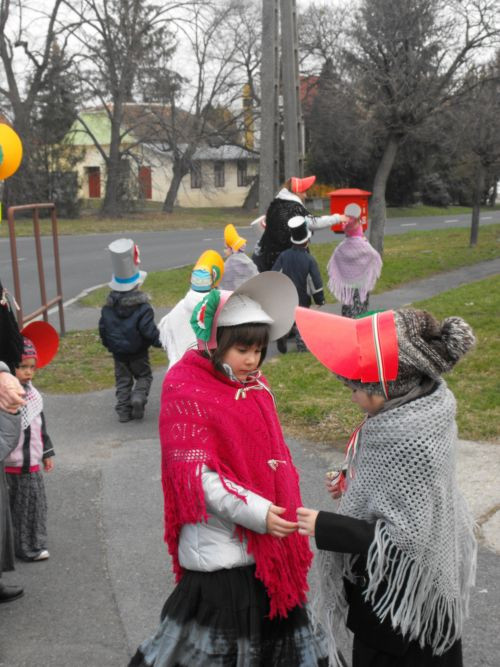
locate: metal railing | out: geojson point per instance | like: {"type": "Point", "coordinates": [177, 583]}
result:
{"type": "Point", "coordinates": [46, 304]}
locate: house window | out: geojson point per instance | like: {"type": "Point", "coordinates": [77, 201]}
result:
{"type": "Point", "coordinates": [196, 175]}
{"type": "Point", "coordinates": [219, 174]}
{"type": "Point", "coordinates": [145, 183]}
{"type": "Point", "coordinates": [94, 180]}
{"type": "Point", "coordinates": [242, 173]}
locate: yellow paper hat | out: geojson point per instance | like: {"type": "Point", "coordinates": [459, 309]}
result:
{"type": "Point", "coordinates": [211, 261]}
{"type": "Point", "coordinates": [232, 239]}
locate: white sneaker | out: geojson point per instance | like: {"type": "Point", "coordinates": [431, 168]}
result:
{"type": "Point", "coordinates": [43, 555]}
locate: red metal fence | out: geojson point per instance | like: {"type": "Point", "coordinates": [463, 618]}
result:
{"type": "Point", "coordinates": [58, 299]}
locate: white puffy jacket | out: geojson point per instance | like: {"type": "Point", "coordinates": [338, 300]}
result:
{"type": "Point", "coordinates": [213, 545]}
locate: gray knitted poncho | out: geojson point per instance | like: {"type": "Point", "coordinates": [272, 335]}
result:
{"type": "Point", "coordinates": [424, 548]}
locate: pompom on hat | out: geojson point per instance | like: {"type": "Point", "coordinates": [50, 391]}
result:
{"type": "Point", "coordinates": [232, 239]}
{"type": "Point", "coordinates": [387, 353]}
{"type": "Point", "coordinates": [41, 341]}
{"type": "Point", "coordinates": [125, 259]}
{"type": "Point", "coordinates": [299, 185]}
{"type": "Point", "coordinates": [269, 297]}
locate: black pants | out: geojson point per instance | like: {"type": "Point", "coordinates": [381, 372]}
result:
{"type": "Point", "coordinates": [126, 372]}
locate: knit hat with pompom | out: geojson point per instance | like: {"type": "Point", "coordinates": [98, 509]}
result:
{"type": "Point", "coordinates": [427, 348]}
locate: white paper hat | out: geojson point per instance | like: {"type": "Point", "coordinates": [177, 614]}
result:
{"type": "Point", "coordinates": [353, 210]}
{"type": "Point", "coordinates": [125, 261]}
{"type": "Point", "coordinates": [269, 297]}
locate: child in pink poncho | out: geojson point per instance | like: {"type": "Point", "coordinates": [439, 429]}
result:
{"type": "Point", "coordinates": [354, 267]}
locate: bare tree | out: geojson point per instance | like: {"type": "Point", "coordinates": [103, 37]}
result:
{"type": "Point", "coordinates": [207, 109]}
{"type": "Point", "coordinates": [408, 60]}
{"type": "Point", "coordinates": [117, 35]}
{"type": "Point", "coordinates": [322, 30]}
{"type": "Point", "coordinates": [29, 29]}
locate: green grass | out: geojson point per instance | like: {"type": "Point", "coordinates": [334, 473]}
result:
{"type": "Point", "coordinates": [151, 218]}
{"type": "Point", "coordinates": [315, 406]}
{"type": "Point", "coordinates": [82, 364]}
{"type": "Point", "coordinates": [407, 257]}
{"type": "Point", "coordinates": [145, 221]}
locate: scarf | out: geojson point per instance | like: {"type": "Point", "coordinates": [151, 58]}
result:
{"type": "Point", "coordinates": [233, 428]}
{"type": "Point", "coordinates": [33, 407]}
{"type": "Point", "coordinates": [354, 265]}
{"type": "Point", "coordinates": [424, 550]}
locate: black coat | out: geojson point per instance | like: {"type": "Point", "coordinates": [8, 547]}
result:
{"type": "Point", "coordinates": [127, 325]}
{"type": "Point", "coordinates": [344, 534]}
{"type": "Point", "coordinates": [276, 236]}
{"type": "Point", "coordinates": [303, 270]}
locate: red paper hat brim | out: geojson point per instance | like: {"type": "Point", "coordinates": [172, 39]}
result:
{"type": "Point", "coordinates": [302, 184]}
{"type": "Point", "coordinates": [45, 339]}
{"type": "Point", "coordinates": [348, 347]}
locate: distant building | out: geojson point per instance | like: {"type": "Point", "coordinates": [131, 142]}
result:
{"type": "Point", "coordinates": [220, 175]}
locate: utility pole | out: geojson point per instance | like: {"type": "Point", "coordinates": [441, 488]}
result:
{"type": "Point", "coordinates": [293, 123]}
{"type": "Point", "coordinates": [293, 128]}
{"type": "Point", "coordinates": [270, 127]}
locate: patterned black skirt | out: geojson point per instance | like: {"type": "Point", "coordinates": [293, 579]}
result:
{"type": "Point", "coordinates": [221, 619]}
{"type": "Point", "coordinates": [28, 507]}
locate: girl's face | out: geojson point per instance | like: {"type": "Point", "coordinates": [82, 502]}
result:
{"type": "Point", "coordinates": [243, 359]}
{"type": "Point", "coordinates": [369, 403]}
{"type": "Point", "coordinates": [26, 370]}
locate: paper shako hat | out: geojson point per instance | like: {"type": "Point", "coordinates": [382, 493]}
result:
{"type": "Point", "coordinates": [299, 231]}
{"type": "Point", "coordinates": [299, 185]}
{"type": "Point", "coordinates": [45, 340]}
{"type": "Point", "coordinates": [269, 297]}
{"type": "Point", "coordinates": [125, 260]}
{"type": "Point", "coordinates": [209, 262]}
{"type": "Point", "coordinates": [232, 239]}
{"type": "Point", "coordinates": [365, 349]}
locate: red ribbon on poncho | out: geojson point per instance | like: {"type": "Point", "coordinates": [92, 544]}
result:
{"type": "Point", "coordinates": [203, 423]}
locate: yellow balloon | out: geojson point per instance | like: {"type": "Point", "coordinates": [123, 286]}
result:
{"type": "Point", "coordinates": [12, 150]}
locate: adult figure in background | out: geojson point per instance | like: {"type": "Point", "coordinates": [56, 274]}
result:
{"type": "Point", "coordinates": [354, 266]}
{"type": "Point", "coordinates": [288, 203]}
{"type": "Point", "coordinates": [11, 400]}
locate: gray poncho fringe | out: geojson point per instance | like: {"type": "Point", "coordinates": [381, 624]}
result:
{"type": "Point", "coordinates": [424, 548]}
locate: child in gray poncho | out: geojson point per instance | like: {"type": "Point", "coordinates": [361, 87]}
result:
{"type": "Point", "coordinates": [397, 558]}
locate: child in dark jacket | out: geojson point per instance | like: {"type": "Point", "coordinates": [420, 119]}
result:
{"type": "Point", "coordinates": [127, 329]}
{"type": "Point", "coordinates": [302, 269]}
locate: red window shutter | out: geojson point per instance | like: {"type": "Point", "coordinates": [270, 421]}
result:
{"type": "Point", "coordinates": [145, 184]}
{"type": "Point", "coordinates": [94, 174]}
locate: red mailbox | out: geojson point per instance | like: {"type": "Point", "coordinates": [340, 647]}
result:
{"type": "Point", "coordinates": [339, 200]}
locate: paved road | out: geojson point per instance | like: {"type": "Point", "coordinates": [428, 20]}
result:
{"type": "Point", "coordinates": [85, 261]}
{"type": "Point", "coordinates": [101, 591]}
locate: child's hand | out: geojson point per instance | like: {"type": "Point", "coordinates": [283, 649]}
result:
{"type": "Point", "coordinates": [307, 521]}
{"type": "Point", "coordinates": [48, 464]}
{"type": "Point", "coordinates": [276, 526]}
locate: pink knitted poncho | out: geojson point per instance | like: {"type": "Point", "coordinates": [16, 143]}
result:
{"type": "Point", "coordinates": [354, 264]}
{"type": "Point", "coordinates": [208, 419]}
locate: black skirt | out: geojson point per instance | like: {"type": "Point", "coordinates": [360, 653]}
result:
{"type": "Point", "coordinates": [221, 619]}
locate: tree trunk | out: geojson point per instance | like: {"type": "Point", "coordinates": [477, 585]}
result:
{"type": "Point", "coordinates": [252, 197]}
{"type": "Point", "coordinates": [377, 200]}
{"type": "Point", "coordinates": [111, 205]}
{"type": "Point", "coordinates": [178, 173]}
{"type": "Point", "coordinates": [476, 204]}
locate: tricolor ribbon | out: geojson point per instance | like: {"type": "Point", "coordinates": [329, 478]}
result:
{"type": "Point", "coordinates": [379, 356]}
